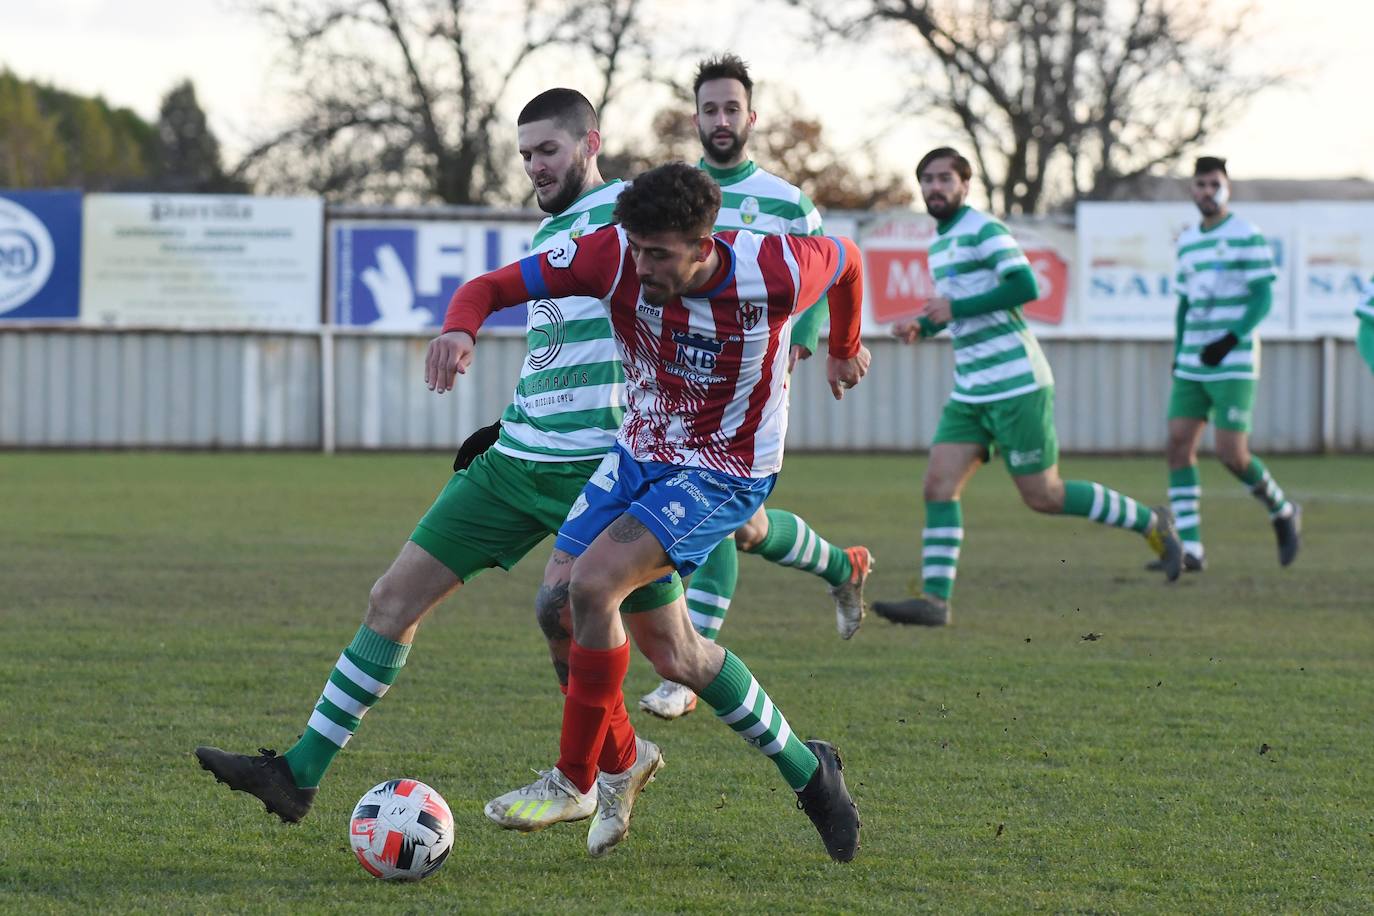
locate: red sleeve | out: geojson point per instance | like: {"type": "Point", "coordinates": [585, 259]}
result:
{"type": "Point", "coordinates": [829, 265]}
{"type": "Point", "coordinates": [580, 267]}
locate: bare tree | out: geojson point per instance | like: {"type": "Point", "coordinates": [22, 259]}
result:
{"type": "Point", "coordinates": [1065, 98]}
{"type": "Point", "coordinates": [404, 99]}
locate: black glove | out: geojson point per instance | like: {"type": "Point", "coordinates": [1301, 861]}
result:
{"type": "Point", "coordinates": [1216, 351]}
{"type": "Point", "coordinates": [476, 444]}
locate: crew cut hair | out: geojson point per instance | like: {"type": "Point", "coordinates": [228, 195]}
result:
{"type": "Point", "coordinates": [674, 197]}
{"type": "Point", "coordinates": [567, 108]}
{"type": "Point", "coordinates": [725, 67]}
{"type": "Point", "coordinates": [962, 168]}
{"type": "Point", "coordinates": [1205, 164]}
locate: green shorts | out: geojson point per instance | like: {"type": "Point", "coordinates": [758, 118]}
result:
{"type": "Point", "coordinates": [1227, 402]}
{"type": "Point", "coordinates": [499, 508]}
{"type": "Point", "coordinates": [1021, 428]}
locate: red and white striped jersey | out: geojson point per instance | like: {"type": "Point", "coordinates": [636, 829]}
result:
{"type": "Point", "coordinates": [705, 372]}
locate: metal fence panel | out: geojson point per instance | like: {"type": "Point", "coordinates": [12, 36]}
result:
{"type": "Point", "coordinates": [158, 389]}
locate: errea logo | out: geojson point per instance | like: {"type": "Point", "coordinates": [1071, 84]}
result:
{"type": "Point", "coordinates": [674, 511]}
{"type": "Point", "coordinates": [1022, 459]}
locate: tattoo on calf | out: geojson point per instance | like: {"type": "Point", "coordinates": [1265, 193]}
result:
{"type": "Point", "coordinates": [626, 529]}
{"type": "Point", "coordinates": [548, 608]}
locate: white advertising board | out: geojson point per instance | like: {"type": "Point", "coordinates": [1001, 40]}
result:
{"type": "Point", "coordinates": [1334, 263]}
{"type": "Point", "coordinates": [201, 261]}
{"type": "Point", "coordinates": [1126, 265]}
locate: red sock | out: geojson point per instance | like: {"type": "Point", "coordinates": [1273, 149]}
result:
{"type": "Point", "coordinates": [618, 751]}
{"type": "Point", "coordinates": [594, 680]}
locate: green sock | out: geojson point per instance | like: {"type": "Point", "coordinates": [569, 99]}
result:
{"type": "Point", "coordinates": [1105, 505]}
{"type": "Point", "coordinates": [1185, 499]}
{"type": "Point", "coordinates": [790, 541]}
{"type": "Point", "coordinates": [1265, 489]}
{"type": "Point", "coordinates": [940, 543]}
{"type": "Point", "coordinates": [365, 671]}
{"type": "Point", "coordinates": [712, 587]}
{"type": "Point", "coordinates": [743, 705]}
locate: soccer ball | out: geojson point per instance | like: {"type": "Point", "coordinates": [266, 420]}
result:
{"type": "Point", "coordinates": [401, 830]}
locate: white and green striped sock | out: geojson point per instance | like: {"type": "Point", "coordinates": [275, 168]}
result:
{"type": "Point", "coordinates": [711, 588]}
{"type": "Point", "coordinates": [1185, 500]}
{"type": "Point", "coordinates": [790, 541]}
{"type": "Point", "coordinates": [1105, 506]}
{"type": "Point", "coordinates": [742, 704]}
{"type": "Point", "coordinates": [1264, 488]}
{"type": "Point", "coordinates": [362, 675]}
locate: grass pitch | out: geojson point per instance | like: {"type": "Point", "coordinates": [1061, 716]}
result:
{"type": "Point", "coordinates": [1083, 739]}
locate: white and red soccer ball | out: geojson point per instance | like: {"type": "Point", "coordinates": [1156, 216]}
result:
{"type": "Point", "coordinates": [401, 830]}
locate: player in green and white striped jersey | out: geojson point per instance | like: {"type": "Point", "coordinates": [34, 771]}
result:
{"type": "Point", "coordinates": [1003, 393]}
{"type": "Point", "coordinates": [759, 201]}
{"type": "Point", "coordinates": [1365, 338]}
{"type": "Point", "coordinates": [1225, 277]}
{"type": "Point", "coordinates": [564, 417]}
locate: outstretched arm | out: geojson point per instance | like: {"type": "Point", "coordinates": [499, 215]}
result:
{"type": "Point", "coordinates": [582, 267]}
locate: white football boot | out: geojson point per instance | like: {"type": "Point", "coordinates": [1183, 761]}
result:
{"type": "Point", "coordinates": [670, 700]}
{"type": "Point", "coordinates": [550, 799]}
{"type": "Point", "coordinates": [615, 798]}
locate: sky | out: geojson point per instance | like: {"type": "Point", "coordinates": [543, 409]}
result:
{"type": "Point", "coordinates": [133, 51]}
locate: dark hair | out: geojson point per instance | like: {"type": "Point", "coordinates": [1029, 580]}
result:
{"type": "Point", "coordinates": [566, 107]}
{"type": "Point", "coordinates": [724, 67]}
{"type": "Point", "coordinates": [961, 165]}
{"type": "Point", "coordinates": [675, 197]}
{"type": "Point", "coordinates": [1205, 164]}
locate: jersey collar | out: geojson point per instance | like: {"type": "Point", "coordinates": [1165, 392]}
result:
{"type": "Point", "coordinates": [730, 175]}
{"type": "Point", "coordinates": [948, 224]}
{"type": "Point", "coordinates": [725, 273]}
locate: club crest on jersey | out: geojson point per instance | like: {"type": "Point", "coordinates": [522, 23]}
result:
{"type": "Point", "coordinates": [749, 315]}
{"type": "Point", "coordinates": [579, 226]}
{"type": "Point", "coordinates": [562, 256]}
{"type": "Point", "coordinates": [749, 210]}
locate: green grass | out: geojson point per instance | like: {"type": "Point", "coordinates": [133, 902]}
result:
{"type": "Point", "coordinates": [152, 602]}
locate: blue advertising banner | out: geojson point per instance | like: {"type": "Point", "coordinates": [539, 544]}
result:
{"type": "Point", "coordinates": [399, 275]}
{"type": "Point", "coordinates": [40, 255]}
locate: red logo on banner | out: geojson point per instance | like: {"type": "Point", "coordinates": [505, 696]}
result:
{"type": "Point", "coordinates": [898, 284]}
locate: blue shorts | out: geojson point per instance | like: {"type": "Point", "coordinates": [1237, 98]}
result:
{"type": "Point", "coordinates": [689, 510]}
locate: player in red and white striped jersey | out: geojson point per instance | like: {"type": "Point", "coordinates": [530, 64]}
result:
{"type": "Point", "coordinates": [702, 326]}
{"type": "Point", "coordinates": [705, 366]}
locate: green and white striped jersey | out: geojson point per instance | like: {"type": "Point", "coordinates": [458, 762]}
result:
{"type": "Point", "coordinates": [1366, 309]}
{"type": "Point", "coordinates": [995, 355]}
{"type": "Point", "coordinates": [757, 200]}
{"type": "Point", "coordinates": [571, 396]}
{"type": "Point", "coordinates": [1215, 268]}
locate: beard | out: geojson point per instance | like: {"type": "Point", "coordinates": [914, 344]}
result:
{"type": "Point", "coordinates": [942, 208]}
{"type": "Point", "coordinates": [715, 153]}
{"type": "Point", "coordinates": [569, 188]}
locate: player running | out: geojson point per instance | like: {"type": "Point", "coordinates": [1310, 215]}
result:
{"type": "Point", "coordinates": [1225, 288]}
{"type": "Point", "coordinates": [758, 201]}
{"type": "Point", "coordinates": [702, 324]}
{"type": "Point", "coordinates": [1003, 394]}
{"type": "Point", "coordinates": [563, 419]}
